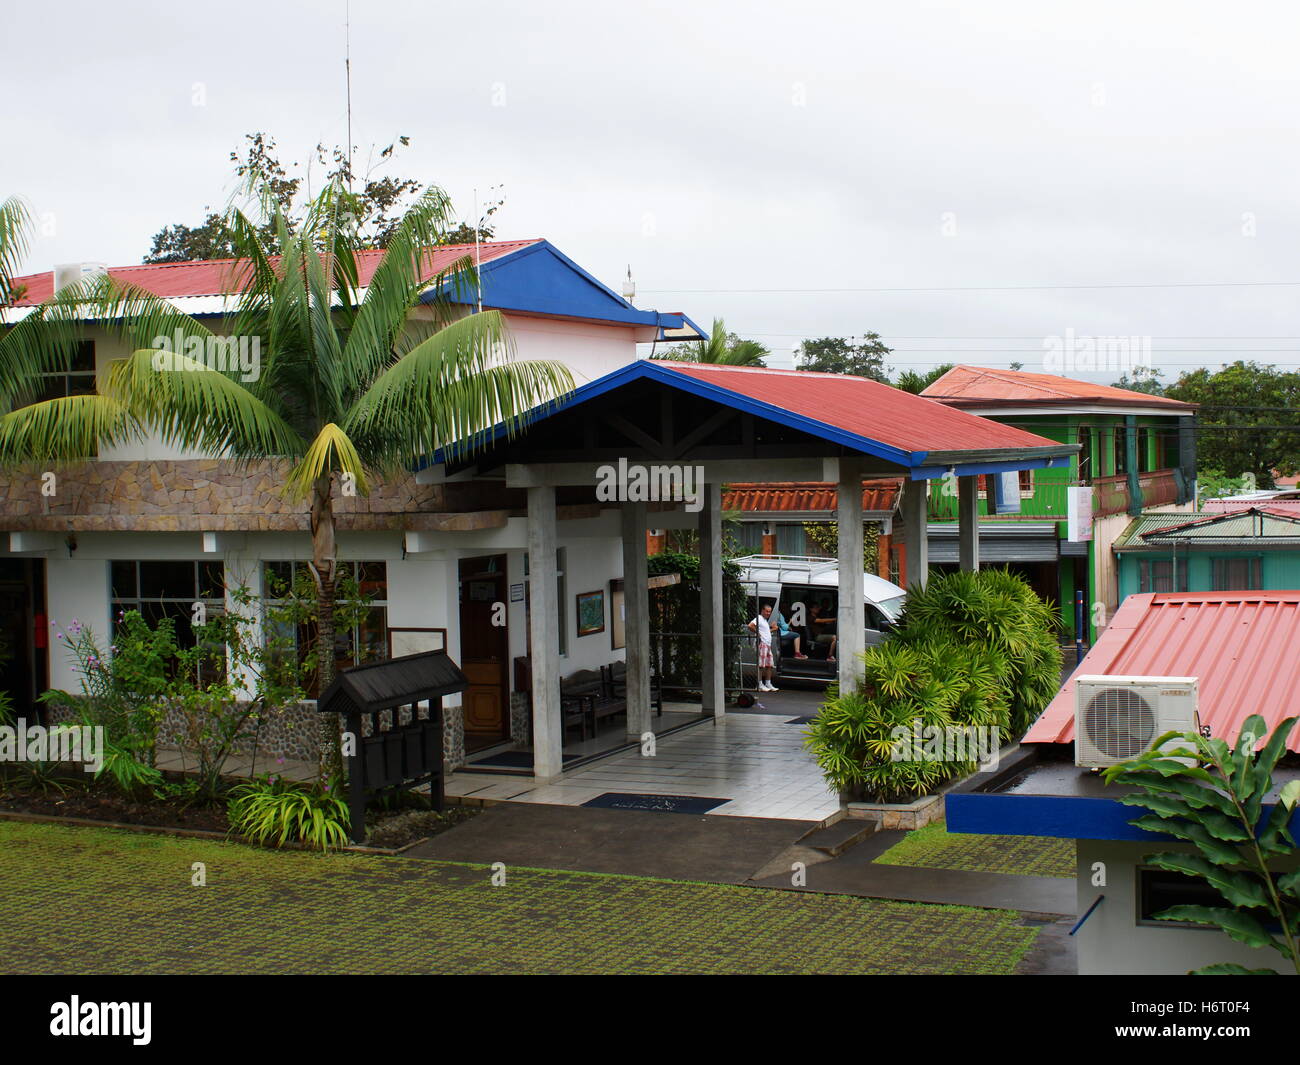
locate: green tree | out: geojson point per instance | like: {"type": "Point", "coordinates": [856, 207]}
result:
{"type": "Point", "coordinates": [15, 228]}
{"type": "Point", "coordinates": [825, 537]}
{"type": "Point", "coordinates": [916, 383]}
{"type": "Point", "coordinates": [722, 348]}
{"type": "Point", "coordinates": [863, 357]}
{"type": "Point", "coordinates": [1247, 420]}
{"type": "Point", "coordinates": [1206, 793]}
{"type": "Point", "coordinates": [1143, 379]}
{"type": "Point", "coordinates": [376, 207]}
{"type": "Point", "coordinates": [1211, 484]}
{"type": "Point", "coordinates": [346, 387]}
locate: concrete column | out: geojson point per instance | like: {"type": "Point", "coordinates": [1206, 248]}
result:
{"type": "Point", "coordinates": [914, 508]}
{"type": "Point", "coordinates": [712, 684]}
{"type": "Point", "coordinates": [636, 600]}
{"type": "Point", "coordinates": [544, 651]}
{"type": "Point", "coordinates": [851, 622]}
{"type": "Point", "coordinates": [968, 529]}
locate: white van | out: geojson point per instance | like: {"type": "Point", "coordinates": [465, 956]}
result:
{"type": "Point", "coordinates": [807, 588]}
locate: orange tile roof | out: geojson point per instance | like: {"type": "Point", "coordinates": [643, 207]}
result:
{"type": "Point", "coordinates": [981, 386]}
{"type": "Point", "coordinates": [801, 496]}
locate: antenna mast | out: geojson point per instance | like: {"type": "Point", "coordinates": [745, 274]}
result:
{"type": "Point", "coordinates": [478, 256]}
{"type": "Point", "coordinates": [347, 68]}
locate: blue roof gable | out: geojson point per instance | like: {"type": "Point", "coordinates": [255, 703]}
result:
{"type": "Point", "coordinates": [540, 279]}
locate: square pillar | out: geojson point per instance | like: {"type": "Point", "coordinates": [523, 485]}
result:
{"type": "Point", "coordinates": [544, 648]}
{"type": "Point", "coordinates": [636, 602]}
{"type": "Point", "coordinates": [968, 528]}
{"type": "Point", "coordinates": [851, 622]}
{"type": "Point", "coordinates": [915, 506]}
{"type": "Point", "coordinates": [712, 637]}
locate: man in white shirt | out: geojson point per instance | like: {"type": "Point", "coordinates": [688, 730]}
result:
{"type": "Point", "coordinates": [763, 626]}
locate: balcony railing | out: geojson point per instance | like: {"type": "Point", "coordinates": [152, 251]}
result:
{"type": "Point", "coordinates": [1050, 500]}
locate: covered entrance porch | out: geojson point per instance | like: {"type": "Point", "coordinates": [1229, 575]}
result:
{"type": "Point", "coordinates": [670, 435]}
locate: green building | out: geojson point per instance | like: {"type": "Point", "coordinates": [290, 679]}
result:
{"type": "Point", "coordinates": [1252, 548]}
{"type": "Point", "coordinates": [1136, 451]}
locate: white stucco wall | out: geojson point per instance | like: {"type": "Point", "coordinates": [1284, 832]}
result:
{"type": "Point", "coordinates": [589, 350]}
{"type": "Point", "coordinates": [1112, 942]}
{"type": "Point", "coordinates": [423, 589]}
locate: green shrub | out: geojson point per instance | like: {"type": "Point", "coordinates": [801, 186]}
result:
{"type": "Point", "coordinates": [272, 809]}
{"type": "Point", "coordinates": [859, 737]}
{"type": "Point", "coordinates": [971, 649]}
{"type": "Point", "coordinates": [995, 609]}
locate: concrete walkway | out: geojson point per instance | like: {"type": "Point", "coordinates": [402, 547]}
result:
{"type": "Point", "coordinates": [754, 762]}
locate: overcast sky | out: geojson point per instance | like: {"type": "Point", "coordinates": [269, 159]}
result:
{"type": "Point", "coordinates": [734, 153]}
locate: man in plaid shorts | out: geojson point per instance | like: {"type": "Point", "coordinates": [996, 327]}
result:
{"type": "Point", "coordinates": [763, 626]}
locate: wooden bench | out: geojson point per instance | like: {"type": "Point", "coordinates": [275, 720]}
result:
{"type": "Point", "coordinates": [588, 697]}
{"type": "Point", "coordinates": [614, 677]}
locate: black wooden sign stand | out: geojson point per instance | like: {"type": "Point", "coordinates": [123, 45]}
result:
{"type": "Point", "coordinates": [401, 756]}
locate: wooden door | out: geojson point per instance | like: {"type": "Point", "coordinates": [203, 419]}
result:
{"type": "Point", "coordinates": [484, 647]}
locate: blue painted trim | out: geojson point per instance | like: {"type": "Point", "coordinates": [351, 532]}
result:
{"type": "Point", "coordinates": [928, 473]}
{"type": "Point", "coordinates": [1057, 816]}
{"type": "Point", "coordinates": [541, 279]}
{"type": "Point", "coordinates": [700, 334]}
{"type": "Point", "coordinates": [647, 368]}
{"type": "Point", "coordinates": [913, 461]}
{"type": "Point", "coordinates": [1079, 923]}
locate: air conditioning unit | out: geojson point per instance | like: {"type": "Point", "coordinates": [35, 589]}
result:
{"type": "Point", "coordinates": [66, 274]}
{"type": "Point", "coordinates": [1117, 718]}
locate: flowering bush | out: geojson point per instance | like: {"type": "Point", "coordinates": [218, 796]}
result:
{"type": "Point", "coordinates": [122, 691]}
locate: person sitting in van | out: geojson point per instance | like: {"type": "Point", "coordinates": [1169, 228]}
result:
{"type": "Point", "coordinates": [821, 628]}
{"type": "Point", "coordinates": [788, 636]}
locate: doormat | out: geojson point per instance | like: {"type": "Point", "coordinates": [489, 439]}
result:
{"type": "Point", "coordinates": [511, 760]}
{"type": "Point", "coordinates": [802, 720]}
{"type": "Point", "coordinates": [665, 804]}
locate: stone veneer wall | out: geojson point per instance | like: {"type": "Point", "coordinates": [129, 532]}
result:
{"type": "Point", "coordinates": [521, 717]}
{"type": "Point", "coordinates": [299, 732]}
{"type": "Point", "coordinates": [213, 495]}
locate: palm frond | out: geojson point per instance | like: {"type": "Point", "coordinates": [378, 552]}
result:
{"type": "Point", "coordinates": [67, 429]}
{"type": "Point", "coordinates": [192, 405]}
{"type": "Point", "coordinates": [15, 232]}
{"type": "Point", "coordinates": [450, 387]}
{"type": "Point", "coordinates": [332, 451]}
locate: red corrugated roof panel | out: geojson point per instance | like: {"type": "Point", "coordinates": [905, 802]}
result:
{"type": "Point", "coordinates": [865, 408]}
{"type": "Point", "coordinates": [981, 386]}
{"type": "Point", "coordinates": [1240, 645]}
{"type": "Point", "coordinates": [217, 277]}
{"type": "Point", "coordinates": [801, 496]}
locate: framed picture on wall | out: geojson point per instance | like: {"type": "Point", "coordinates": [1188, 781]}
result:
{"type": "Point", "coordinates": [617, 620]}
{"type": "Point", "coordinates": [415, 641]}
{"type": "Point", "coordinates": [591, 613]}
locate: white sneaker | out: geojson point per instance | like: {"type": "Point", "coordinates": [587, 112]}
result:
{"type": "Point", "coordinates": [773, 688]}
{"type": "Point", "coordinates": [764, 687]}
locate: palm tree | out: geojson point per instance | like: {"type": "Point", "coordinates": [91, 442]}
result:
{"type": "Point", "coordinates": [351, 384]}
{"type": "Point", "coordinates": [721, 348]}
{"type": "Point", "coordinates": [15, 225]}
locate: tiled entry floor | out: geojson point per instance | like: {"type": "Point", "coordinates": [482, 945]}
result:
{"type": "Point", "coordinates": [755, 761]}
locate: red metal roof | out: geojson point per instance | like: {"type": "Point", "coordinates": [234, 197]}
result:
{"type": "Point", "coordinates": [801, 496]}
{"type": "Point", "coordinates": [865, 408]}
{"type": "Point", "coordinates": [980, 386]}
{"type": "Point", "coordinates": [216, 277]}
{"type": "Point", "coordinates": [1287, 507]}
{"type": "Point", "coordinates": [1241, 646]}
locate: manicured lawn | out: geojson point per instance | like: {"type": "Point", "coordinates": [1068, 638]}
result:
{"type": "Point", "coordinates": [933, 847]}
{"type": "Point", "coordinates": [81, 900]}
